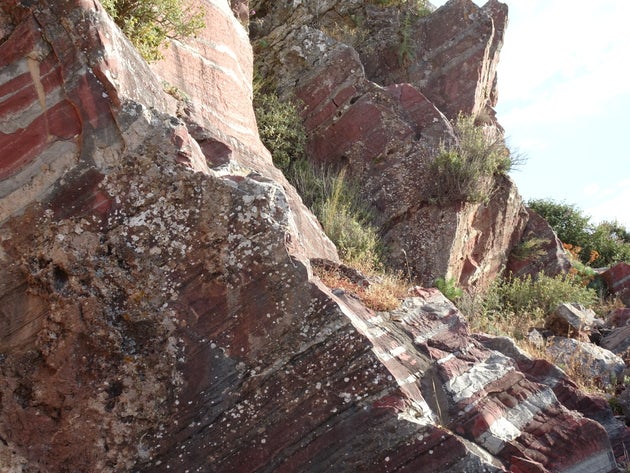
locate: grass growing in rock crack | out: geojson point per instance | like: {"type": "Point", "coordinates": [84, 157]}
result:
{"type": "Point", "coordinates": [466, 169]}
{"type": "Point", "coordinates": [330, 195]}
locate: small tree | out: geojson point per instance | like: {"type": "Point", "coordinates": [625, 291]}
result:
{"type": "Point", "coordinates": [602, 245]}
{"type": "Point", "coordinates": [149, 23]}
{"type": "Point", "coordinates": [569, 223]}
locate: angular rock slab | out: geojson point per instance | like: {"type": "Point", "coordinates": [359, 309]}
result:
{"type": "Point", "coordinates": [479, 394]}
{"type": "Point", "coordinates": [592, 362]}
{"type": "Point", "coordinates": [618, 280]}
{"type": "Point", "coordinates": [573, 320]}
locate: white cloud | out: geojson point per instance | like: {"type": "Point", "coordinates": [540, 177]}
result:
{"type": "Point", "coordinates": [562, 62]}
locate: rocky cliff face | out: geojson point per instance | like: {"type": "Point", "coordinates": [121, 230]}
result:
{"type": "Point", "coordinates": [379, 87]}
{"type": "Point", "coordinates": [158, 311]}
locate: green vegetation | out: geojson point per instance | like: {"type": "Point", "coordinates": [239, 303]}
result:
{"type": "Point", "coordinates": [326, 191]}
{"type": "Point", "coordinates": [405, 52]}
{"type": "Point", "coordinates": [466, 169]}
{"type": "Point", "coordinates": [532, 248]}
{"type": "Point", "coordinates": [149, 23]}
{"type": "Point", "coordinates": [449, 288]}
{"type": "Point", "coordinates": [603, 245]}
{"type": "Point", "coordinates": [332, 197]}
{"type": "Point", "coordinates": [513, 306]}
{"type": "Point", "coordinates": [280, 128]}
{"type": "Point", "coordinates": [346, 221]}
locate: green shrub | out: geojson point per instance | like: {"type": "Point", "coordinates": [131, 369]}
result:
{"type": "Point", "coordinates": [449, 288]}
{"type": "Point", "coordinates": [466, 169]}
{"type": "Point", "coordinates": [345, 222]}
{"type": "Point", "coordinates": [611, 241]}
{"type": "Point", "coordinates": [513, 307]}
{"type": "Point", "coordinates": [149, 23]}
{"type": "Point", "coordinates": [326, 191]}
{"type": "Point", "coordinates": [540, 295]}
{"type": "Point", "coordinates": [280, 129]}
{"type": "Point", "coordinates": [602, 245]}
{"type": "Point", "coordinates": [531, 248]}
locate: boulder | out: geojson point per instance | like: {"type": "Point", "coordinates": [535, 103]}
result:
{"type": "Point", "coordinates": [618, 342]}
{"type": "Point", "coordinates": [619, 317]}
{"type": "Point", "coordinates": [618, 280]}
{"type": "Point", "coordinates": [538, 251]}
{"type": "Point", "coordinates": [571, 320]}
{"type": "Point", "coordinates": [590, 362]}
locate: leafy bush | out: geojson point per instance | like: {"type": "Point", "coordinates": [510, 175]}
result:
{"type": "Point", "coordinates": [149, 23]}
{"type": "Point", "coordinates": [449, 288]}
{"type": "Point", "coordinates": [280, 128]}
{"type": "Point", "coordinates": [611, 241]}
{"type": "Point", "coordinates": [540, 295]}
{"type": "Point", "coordinates": [466, 169]}
{"type": "Point", "coordinates": [604, 244]}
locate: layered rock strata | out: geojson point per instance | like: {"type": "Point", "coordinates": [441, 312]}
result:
{"type": "Point", "coordinates": [158, 311]}
{"type": "Point", "coordinates": [379, 86]}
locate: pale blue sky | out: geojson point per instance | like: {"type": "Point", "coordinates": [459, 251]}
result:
{"type": "Point", "coordinates": [564, 101]}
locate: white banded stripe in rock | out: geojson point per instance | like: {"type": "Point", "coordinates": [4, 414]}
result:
{"type": "Point", "coordinates": [479, 376]}
{"type": "Point", "coordinates": [509, 426]}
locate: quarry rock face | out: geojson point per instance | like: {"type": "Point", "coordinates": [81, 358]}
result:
{"type": "Point", "coordinates": [382, 115]}
{"type": "Point", "coordinates": [158, 309]}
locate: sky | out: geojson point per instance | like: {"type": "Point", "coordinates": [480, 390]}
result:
{"type": "Point", "coordinates": [564, 101]}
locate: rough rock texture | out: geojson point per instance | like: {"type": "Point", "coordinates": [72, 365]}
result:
{"type": "Point", "coordinates": [539, 250]}
{"type": "Point", "coordinates": [214, 86]}
{"type": "Point", "coordinates": [158, 311]}
{"type": "Point", "coordinates": [571, 320]}
{"type": "Point", "coordinates": [383, 116]}
{"type": "Point", "coordinates": [619, 317]}
{"type": "Point", "coordinates": [618, 342]}
{"type": "Point", "coordinates": [618, 280]}
{"type": "Point", "coordinates": [592, 362]}
{"type": "Point", "coordinates": [452, 56]}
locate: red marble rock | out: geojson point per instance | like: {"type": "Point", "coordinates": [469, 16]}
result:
{"type": "Point", "coordinates": [159, 311]}
{"type": "Point", "coordinates": [618, 280]}
{"type": "Point", "coordinates": [381, 121]}
{"type": "Point", "coordinates": [546, 256]}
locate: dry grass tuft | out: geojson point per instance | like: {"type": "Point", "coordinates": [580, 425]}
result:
{"type": "Point", "coordinates": [378, 291]}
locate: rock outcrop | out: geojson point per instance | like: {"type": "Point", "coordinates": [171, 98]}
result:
{"type": "Point", "coordinates": [618, 280]}
{"type": "Point", "coordinates": [538, 251]}
{"type": "Point", "coordinates": [379, 86]}
{"type": "Point", "coordinates": [158, 310]}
